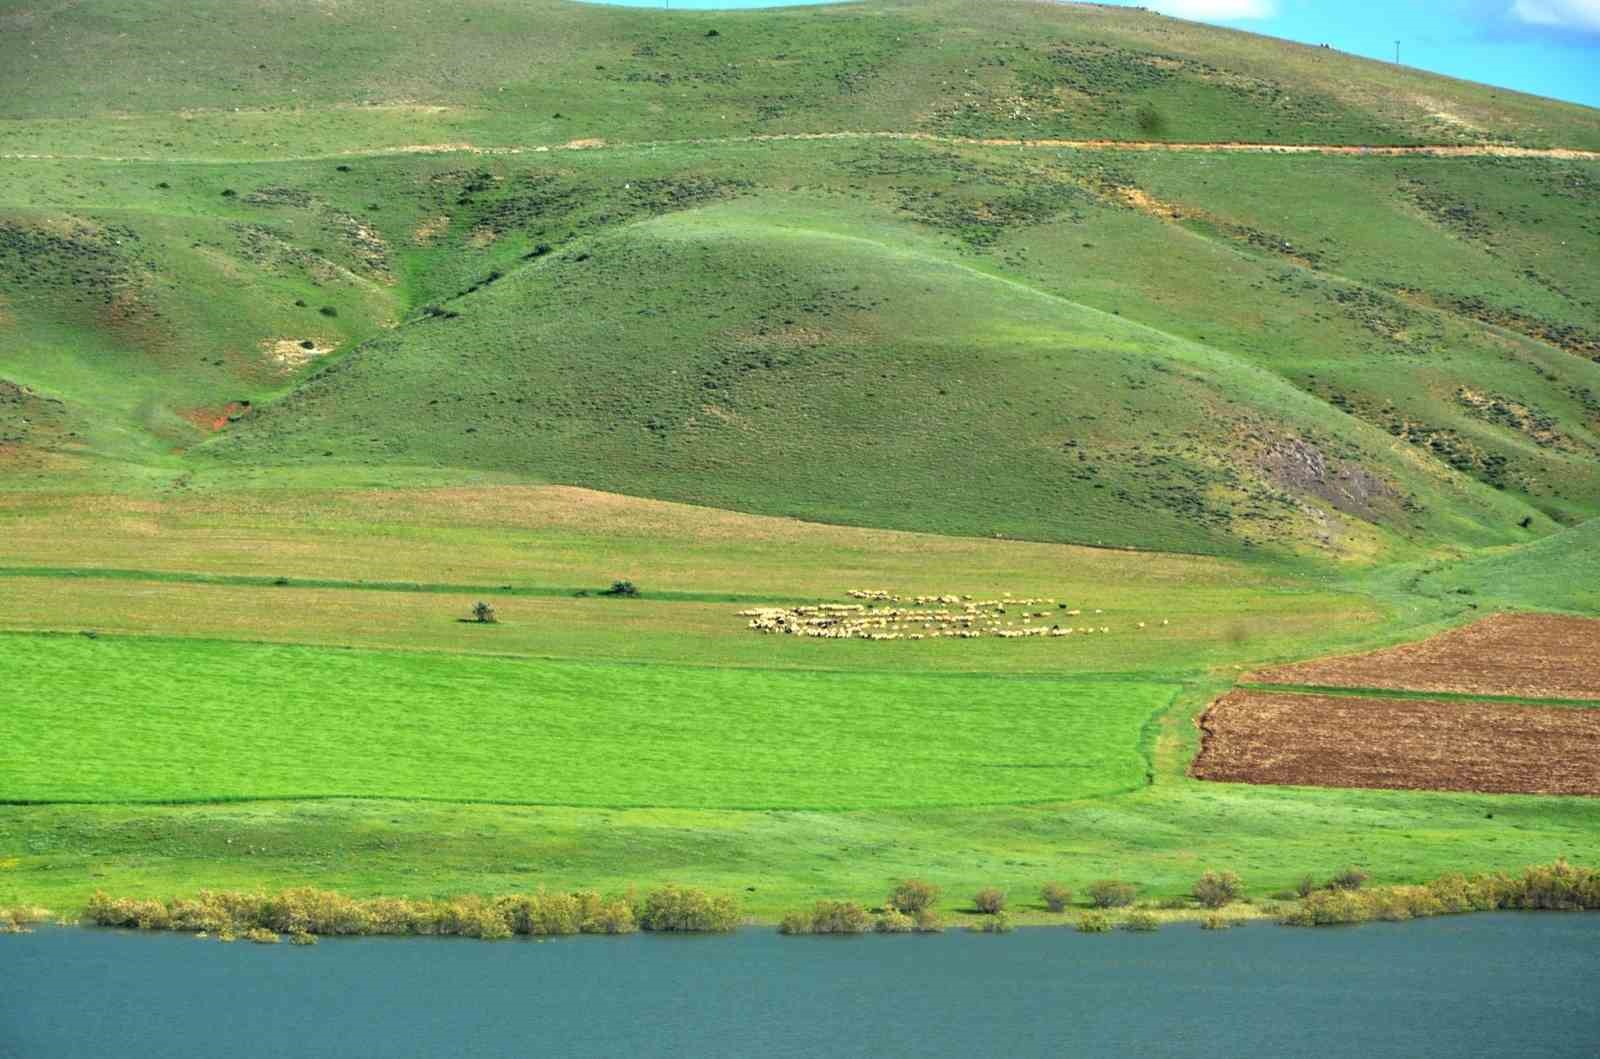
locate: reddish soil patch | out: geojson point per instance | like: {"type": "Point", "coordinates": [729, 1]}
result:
{"type": "Point", "coordinates": [1399, 744]}
{"type": "Point", "coordinates": [1535, 655]}
{"type": "Point", "coordinates": [214, 419]}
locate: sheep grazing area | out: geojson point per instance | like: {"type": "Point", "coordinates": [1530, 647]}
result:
{"type": "Point", "coordinates": [926, 618]}
{"type": "Point", "coordinates": [1548, 656]}
{"type": "Point", "coordinates": [1402, 744]}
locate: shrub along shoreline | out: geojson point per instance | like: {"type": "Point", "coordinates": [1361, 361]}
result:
{"type": "Point", "coordinates": [304, 914]}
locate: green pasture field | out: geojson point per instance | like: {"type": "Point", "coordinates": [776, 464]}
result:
{"type": "Point", "coordinates": [1160, 836]}
{"type": "Point", "coordinates": [159, 720]}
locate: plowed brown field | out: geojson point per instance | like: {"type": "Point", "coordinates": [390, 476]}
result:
{"type": "Point", "coordinates": [1535, 655]}
{"type": "Point", "coordinates": [1402, 744]}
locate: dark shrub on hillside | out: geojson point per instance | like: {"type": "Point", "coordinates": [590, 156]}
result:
{"type": "Point", "coordinates": [1056, 897]}
{"type": "Point", "coordinates": [621, 588]}
{"type": "Point", "coordinates": [483, 613]}
{"type": "Point", "coordinates": [1352, 878]}
{"type": "Point", "coordinates": [990, 900]}
{"type": "Point", "coordinates": [328, 310]}
{"type": "Point", "coordinates": [1216, 889]}
{"type": "Point", "coordinates": [913, 896]}
{"type": "Point", "coordinates": [683, 910]}
{"type": "Point", "coordinates": [1111, 893]}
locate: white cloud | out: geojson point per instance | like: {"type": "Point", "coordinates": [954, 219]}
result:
{"type": "Point", "coordinates": [1568, 14]}
{"type": "Point", "coordinates": [1228, 10]}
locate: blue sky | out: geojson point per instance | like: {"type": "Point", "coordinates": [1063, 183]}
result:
{"type": "Point", "coordinates": [1547, 47]}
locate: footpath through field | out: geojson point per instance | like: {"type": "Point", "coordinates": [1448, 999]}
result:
{"type": "Point", "coordinates": [1486, 150]}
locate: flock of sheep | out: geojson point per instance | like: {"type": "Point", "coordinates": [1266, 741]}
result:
{"type": "Point", "coordinates": [925, 618]}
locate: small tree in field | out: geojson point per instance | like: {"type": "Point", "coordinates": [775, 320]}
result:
{"type": "Point", "coordinates": [483, 613]}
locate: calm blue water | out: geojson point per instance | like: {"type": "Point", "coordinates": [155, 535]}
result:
{"type": "Point", "coordinates": [1492, 985]}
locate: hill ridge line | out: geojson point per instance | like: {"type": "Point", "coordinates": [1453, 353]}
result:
{"type": "Point", "coordinates": [597, 144]}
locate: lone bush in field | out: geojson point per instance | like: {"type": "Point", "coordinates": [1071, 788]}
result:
{"type": "Point", "coordinates": [1056, 897]}
{"type": "Point", "coordinates": [1218, 889]}
{"type": "Point", "coordinates": [1112, 893]}
{"type": "Point", "coordinates": [913, 896]}
{"type": "Point", "coordinates": [483, 613]}
{"type": "Point", "coordinates": [991, 900]}
{"type": "Point", "coordinates": [621, 588]}
{"type": "Point", "coordinates": [1352, 878]}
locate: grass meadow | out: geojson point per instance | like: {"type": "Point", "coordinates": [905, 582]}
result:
{"type": "Point", "coordinates": [157, 720]}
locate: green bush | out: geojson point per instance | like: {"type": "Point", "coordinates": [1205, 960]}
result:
{"type": "Point", "coordinates": [1352, 878]}
{"type": "Point", "coordinates": [1094, 923]}
{"type": "Point", "coordinates": [839, 917]}
{"type": "Point", "coordinates": [1217, 889]}
{"type": "Point", "coordinates": [1141, 921]}
{"type": "Point", "coordinates": [1559, 887]}
{"type": "Point", "coordinates": [483, 613]}
{"type": "Point", "coordinates": [621, 588]}
{"type": "Point", "coordinates": [300, 937]}
{"type": "Point", "coordinates": [1056, 896]}
{"type": "Point", "coordinates": [795, 923]}
{"type": "Point", "coordinates": [1111, 893]}
{"type": "Point", "coordinates": [261, 936]}
{"type": "Point", "coordinates": [995, 923]}
{"type": "Point", "coordinates": [893, 921]}
{"type": "Point", "coordinates": [1306, 887]}
{"type": "Point", "coordinates": [678, 909]}
{"type": "Point", "coordinates": [990, 900]}
{"type": "Point", "coordinates": [913, 895]}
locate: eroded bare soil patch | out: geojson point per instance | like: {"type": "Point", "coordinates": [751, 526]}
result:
{"type": "Point", "coordinates": [1399, 744]}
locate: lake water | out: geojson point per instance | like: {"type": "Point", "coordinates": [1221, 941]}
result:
{"type": "Point", "coordinates": [1500, 985]}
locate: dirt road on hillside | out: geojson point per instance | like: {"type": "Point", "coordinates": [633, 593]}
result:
{"type": "Point", "coordinates": [594, 144]}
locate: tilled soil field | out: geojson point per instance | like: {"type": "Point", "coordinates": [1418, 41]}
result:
{"type": "Point", "coordinates": [1400, 744]}
{"type": "Point", "coordinates": [1546, 656]}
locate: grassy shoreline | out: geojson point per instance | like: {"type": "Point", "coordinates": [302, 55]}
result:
{"type": "Point", "coordinates": [304, 912]}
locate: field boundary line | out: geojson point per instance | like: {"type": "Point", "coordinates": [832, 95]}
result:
{"type": "Point", "coordinates": [1441, 150]}
{"type": "Point", "coordinates": [1162, 678]}
{"type": "Point", "coordinates": [99, 573]}
{"type": "Point", "coordinates": [1412, 694]}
